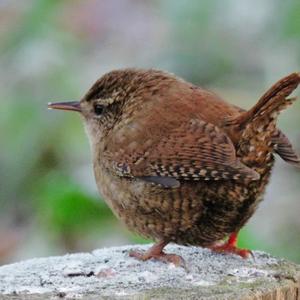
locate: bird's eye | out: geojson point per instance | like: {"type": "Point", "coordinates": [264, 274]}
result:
{"type": "Point", "coordinates": [98, 109]}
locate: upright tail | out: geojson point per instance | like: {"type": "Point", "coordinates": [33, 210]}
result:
{"type": "Point", "coordinates": [271, 103]}
{"type": "Point", "coordinates": [259, 135]}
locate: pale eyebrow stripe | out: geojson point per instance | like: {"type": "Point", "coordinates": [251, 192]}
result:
{"type": "Point", "coordinates": [106, 102]}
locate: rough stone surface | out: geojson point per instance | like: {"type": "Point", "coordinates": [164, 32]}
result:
{"type": "Point", "coordinates": [111, 274]}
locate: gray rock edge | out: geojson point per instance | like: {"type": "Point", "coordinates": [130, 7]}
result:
{"type": "Point", "coordinates": [110, 273]}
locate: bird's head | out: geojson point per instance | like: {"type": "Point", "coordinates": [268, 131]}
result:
{"type": "Point", "coordinates": [115, 99]}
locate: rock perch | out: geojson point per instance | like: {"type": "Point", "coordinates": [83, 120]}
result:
{"type": "Point", "coordinates": [111, 274]}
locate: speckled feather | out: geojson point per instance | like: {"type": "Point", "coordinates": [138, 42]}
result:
{"type": "Point", "coordinates": [195, 150]}
{"type": "Point", "coordinates": [176, 162]}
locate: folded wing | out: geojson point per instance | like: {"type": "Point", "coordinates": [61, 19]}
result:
{"type": "Point", "coordinates": [194, 151]}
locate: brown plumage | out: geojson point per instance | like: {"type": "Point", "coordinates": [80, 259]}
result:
{"type": "Point", "coordinates": [175, 162]}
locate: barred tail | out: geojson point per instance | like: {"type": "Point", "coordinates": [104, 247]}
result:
{"type": "Point", "coordinates": [271, 103]}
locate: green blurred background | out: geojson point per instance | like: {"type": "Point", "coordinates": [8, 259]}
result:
{"type": "Point", "coordinates": [54, 50]}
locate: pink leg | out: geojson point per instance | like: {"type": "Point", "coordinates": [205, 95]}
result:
{"type": "Point", "coordinates": [156, 252]}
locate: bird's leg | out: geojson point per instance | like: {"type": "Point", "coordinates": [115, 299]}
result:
{"type": "Point", "coordinates": [156, 252]}
{"type": "Point", "coordinates": [230, 246]}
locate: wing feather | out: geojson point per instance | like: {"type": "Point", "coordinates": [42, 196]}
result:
{"type": "Point", "coordinates": [193, 151]}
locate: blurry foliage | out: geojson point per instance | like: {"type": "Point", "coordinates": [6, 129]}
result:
{"type": "Point", "coordinates": [291, 21]}
{"type": "Point", "coordinates": [194, 28]}
{"type": "Point", "coordinates": [54, 50]}
{"type": "Point", "coordinates": [36, 21]}
{"type": "Point", "coordinates": [67, 212]}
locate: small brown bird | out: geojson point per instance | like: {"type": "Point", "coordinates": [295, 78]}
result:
{"type": "Point", "coordinates": [175, 162]}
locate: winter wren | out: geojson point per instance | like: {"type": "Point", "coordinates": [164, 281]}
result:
{"type": "Point", "coordinates": [175, 162]}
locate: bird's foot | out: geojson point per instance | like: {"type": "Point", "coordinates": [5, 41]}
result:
{"type": "Point", "coordinates": [225, 248]}
{"type": "Point", "coordinates": [163, 257]}
{"type": "Point", "coordinates": [230, 246]}
{"type": "Point", "coordinates": [156, 252]}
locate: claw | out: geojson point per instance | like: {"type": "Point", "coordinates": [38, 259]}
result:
{"type": "Point", "coordinates": [177, 260]}
{"type": "Point", "coordinates": [156, 253]}
{"type": "Point", "coordinates": [231, 247]}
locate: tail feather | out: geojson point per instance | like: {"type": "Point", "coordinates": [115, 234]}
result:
{"type": "Point", "coordinates": [271, 103]}
{"type": "Point", "coordinates": [284, 149]}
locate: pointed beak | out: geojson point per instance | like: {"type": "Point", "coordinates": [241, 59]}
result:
{"type": "Point", "coordinates": [73, 106]}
